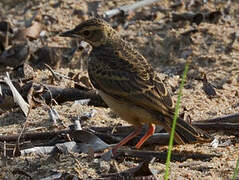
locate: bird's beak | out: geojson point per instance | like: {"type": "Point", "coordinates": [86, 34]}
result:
{"type": "Point", "coordinates": [70, 33]}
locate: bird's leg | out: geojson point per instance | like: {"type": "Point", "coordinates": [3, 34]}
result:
{"type": "Point", "coordinates": [149, 133]}
{"type": "Point", "coordinates": [125, 140]}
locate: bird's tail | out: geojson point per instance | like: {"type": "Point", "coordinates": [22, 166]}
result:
{"type": "Point", "coordinates": [186, 133]}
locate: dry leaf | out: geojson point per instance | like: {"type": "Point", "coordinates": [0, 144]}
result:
{"type": "Point", "coordinates": [32, 31]}
{"type": "Point", "coordinates": [17, 96]}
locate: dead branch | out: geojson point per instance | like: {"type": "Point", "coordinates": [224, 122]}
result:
{"type": "Point", "coordinates": [71, 94]}
{"type": "Point", "coordinates": [228, 122]}
{"type": "Point", "coordinates": [33, 136]}
{"type": "Point", "coordinates": [125, 9]}
{"type": "Point", "coordinates": [62, 95]}
{"type": "Point", "coordinates": [231, 118]}
{"type": "Point", "coordinates": [161, 156]}
{"type": "Point", "coordinates": [217, 126]}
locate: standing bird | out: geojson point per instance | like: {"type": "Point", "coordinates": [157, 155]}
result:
{"type": "Point", "coordinates": [128, 84]}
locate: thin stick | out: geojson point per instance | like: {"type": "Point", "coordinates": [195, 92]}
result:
{"type": "Point", "coordinates": [126, 8]}
{"type": "Point", "coordinates": [56, 74]}
{"type": "Point", "coordinates": [231, 118]}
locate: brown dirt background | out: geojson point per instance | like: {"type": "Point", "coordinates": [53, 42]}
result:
{"type": "Point", "coordinates": [152, 32]}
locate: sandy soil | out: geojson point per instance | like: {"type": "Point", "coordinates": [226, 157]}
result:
{"type": "Point", "coordinates": [151, 30]}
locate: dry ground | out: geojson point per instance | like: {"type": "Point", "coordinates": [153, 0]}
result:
{"type": "Point", "coordinates": [151, 30]}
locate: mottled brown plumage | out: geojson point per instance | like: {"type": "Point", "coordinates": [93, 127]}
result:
{"type": "Point", "coordinates": [128, 84]}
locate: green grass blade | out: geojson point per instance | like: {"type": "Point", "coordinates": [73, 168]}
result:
{"type": "Point", "coordinates": [170, 146]}
{"type": "Point", "coordinates": [236, 170]}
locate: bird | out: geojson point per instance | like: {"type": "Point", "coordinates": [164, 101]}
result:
{"type": "Point", "coordinates": [128, 84]}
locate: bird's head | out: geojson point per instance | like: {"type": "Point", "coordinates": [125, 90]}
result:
{"type": "Point", "coordinates": [94, 31]}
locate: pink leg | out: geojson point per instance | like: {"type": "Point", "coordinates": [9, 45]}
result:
{"type": "Point", "coordinates": [149, 133]}
{"type": "Point", "coordinates": [125, 140]}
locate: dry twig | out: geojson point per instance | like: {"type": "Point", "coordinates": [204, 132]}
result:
{"type": "Point", "coordinates": [127, 8]}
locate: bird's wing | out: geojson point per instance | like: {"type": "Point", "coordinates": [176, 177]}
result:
{"type": "Point", "coordinates": [126, 74]}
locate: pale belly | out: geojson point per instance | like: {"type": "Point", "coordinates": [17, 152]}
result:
{"type": "Point", "coordinates": [127, 111]}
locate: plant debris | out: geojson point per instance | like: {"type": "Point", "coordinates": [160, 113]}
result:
{"type": "Point", "coordinates": [48, 73]}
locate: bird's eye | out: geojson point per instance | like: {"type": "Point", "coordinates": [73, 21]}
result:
{"type": "Point", "coordinates": [86, 33]}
